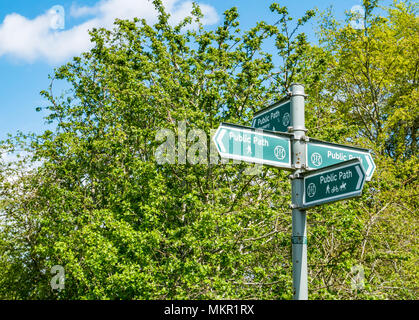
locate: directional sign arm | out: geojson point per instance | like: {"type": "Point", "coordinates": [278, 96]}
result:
{"type": "Point", "coordinates": [276, 117]}
{"type": "Point", "coordinates": [337, 182]}
{"type": "Point", "coordinates": [219, 140]}
{"type": "Point", "coordinates": [321, 154]}
{"type": "Point", "coordinates": [253, 145]}
{"type": "Point", "coordinates": [371, 166]}
{"type": "Point", "coordinates": [360, 175]}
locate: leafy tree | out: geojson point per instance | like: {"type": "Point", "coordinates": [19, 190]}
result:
{"type": "Point", "coordinates": [120, 223]}
{"type": "Point", "coordinates": [368, 97]}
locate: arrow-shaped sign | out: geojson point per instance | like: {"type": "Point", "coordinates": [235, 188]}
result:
{"type": "Point", "coordinates": [219, 140]}
{"type": "Point", "coordinates": [276, 117]}
{"type": "Point", "coordinates": [253, 145]}
{"type": "Point", "coordinates": [321, 154]}
{"type": "Point", "coordinates": [340, 181]}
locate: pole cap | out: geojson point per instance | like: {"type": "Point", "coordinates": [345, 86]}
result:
{"type": "Point", "coordinates": [297, 89]}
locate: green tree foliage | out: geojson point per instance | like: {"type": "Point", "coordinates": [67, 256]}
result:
{"type": "Point", "coordinates": [369, 97]}
{"type": "Point", "coordinates": [92, 196]}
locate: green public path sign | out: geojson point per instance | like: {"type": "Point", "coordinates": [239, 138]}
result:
{"type": "Point", "coordinates": [337, 182]}
{"type": "Point", "coordinates": [276, 117]}
{"type": "Point", "coordinates": [322, 154]}
{"type": "Point", "coordinates": [253, 145]}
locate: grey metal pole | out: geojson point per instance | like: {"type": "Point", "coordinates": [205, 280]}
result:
{"type": "Point", "coordinates": [299, 219]}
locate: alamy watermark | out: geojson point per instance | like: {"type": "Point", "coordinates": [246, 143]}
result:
{"type": "Point", "coordinates": [195, 147]}
{"type": "Point", "coordinates": [357, 20]}
{"type": "Point", "coordinates": [358, 278]}
{"type": "Point", "coordinates": [57, 17]}
{"type": "Point", "coordinates": [58, 280]}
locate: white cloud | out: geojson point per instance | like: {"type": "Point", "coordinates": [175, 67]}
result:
{"type": "Point", "coordinates": [35, 39]}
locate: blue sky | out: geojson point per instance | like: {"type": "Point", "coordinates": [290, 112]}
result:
{"type": "Point", "coordinates": [32, 44]}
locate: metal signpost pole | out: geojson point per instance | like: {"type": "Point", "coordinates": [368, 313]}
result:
{"type": "Point", "coordinates": [299, 219]}
{"type": "Point", "coordinates": [323, 172]}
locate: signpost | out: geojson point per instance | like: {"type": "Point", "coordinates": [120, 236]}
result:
{"type": "Point", "coordinates": [299, 217]}
{"type": "Point", "coordinates": [276, 117]}
{"type": "Point", "coordinates": [323, 172]}
{"type": "Point", "coordinates": [337, 182]}
{"type": "Point", "coordinates": [253, 145]}
{"type": "Point", "coordinates": [321, 154]}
